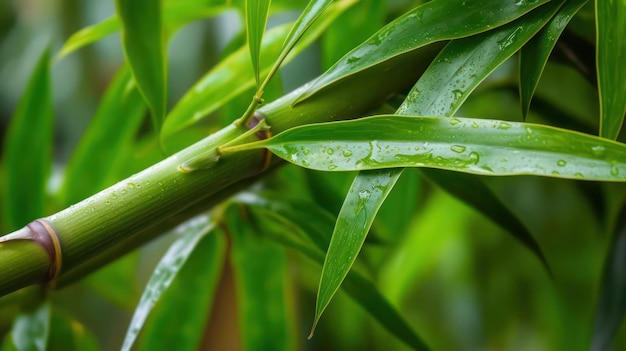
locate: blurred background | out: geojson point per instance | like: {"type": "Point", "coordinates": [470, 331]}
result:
{"type": "Point", "coordinates": [462, 282]}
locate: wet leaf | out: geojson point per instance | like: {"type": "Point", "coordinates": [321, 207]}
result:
{"type": "Point", "coordinates": [188, 301]}
{"type": "Point", "coordinates": [464, 63]}
{"type": "Point", "coordinates": [610, 53]}
{"type": "Point", "coordinates": [96, 163]}
{"type": "Point", "coordinates": [431, 22]}
{"type": "Point", "coordinates": [143, 40]}
{"type": "Point", "coordinates": [256, 19]}
{"type": "Point", "coordinates": [353, 224]}
{"type": "Point", "coordinates": [611, 307]}
{"type": "Point", "coordinates": [535, 54]}
{"type": "Point", "coordinates": [446, 84]}
{"type": "Point", "coordinates": [477, 146]}
{"type": "Point", "coordinates": [28, 150]}
{"type": "Point", "coordinates": [166, 270]}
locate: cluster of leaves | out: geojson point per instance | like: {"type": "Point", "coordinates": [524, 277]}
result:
{"type": "Point", "coordinates": [469, 75]}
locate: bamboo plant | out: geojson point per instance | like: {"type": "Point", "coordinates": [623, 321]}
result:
{"type": "Point", "coordinates": [431, 123]}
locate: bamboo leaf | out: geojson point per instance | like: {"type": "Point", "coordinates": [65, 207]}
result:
{"type": "Point", "coordinates": [611, 307]}
{"type": "Point", "coordinates": [353, 224]}
{"type": "Point", "coordinates": [233, 76]}
{"type": "Point", "coordinates": [534, 55]}
{"type": "Point", "coordinates": [446, 84]}
{"type": "Point", "coordinates": [176, 14]}
{"type": "Point", "coordinates": [610, 53]}
{"type": "Point", "coordinates": [477, 146]}
{"type": "Point", "coordinates": [261, 280]}
{"type": "Point", "coordinates": [143, 39]}
{"type": "Point", "coordinates": [431, 22]}
{"type": "Point", "coordinates": [30, 330]}
{"type": "Point", "coordinates": [188, 301]}
{"type": "Point", "coordinates": [458, 69]}
{"type": "Point", "coordinates": [28, 150]}
{"type": "Point", "coordinates": [89, 35]}
{"type": "Point", "coordinates": [166, 270]}
{"type": "Point", "coordinates": [363, 291]}
{"type": "Point", "coordinates": [256, 19]}
{"type": "Point", "coordinates": [464, 63]}
{"type": "Point", "coordinates": [96, 163]}
{"type": "Point", "coordinates": [311, 13]}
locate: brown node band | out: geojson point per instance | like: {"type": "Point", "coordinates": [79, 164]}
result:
{"type": "Point", "coordinates": [257, 117]}
{"type": "Point", "coordinates": [47, 238]}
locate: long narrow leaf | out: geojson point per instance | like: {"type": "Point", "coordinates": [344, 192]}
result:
{"type": "Point", "coordinates": [233, 76]}
{"type": "Point", "coordinates": [96, 162]}
{"type": "Point", "coordinates": [464, 63]}
{"type": "Point", "coordinates": [459, 68]}
{"type": "Point", "coordinates": [610, 53]}
{"type": "Point", "coordinates": [89, 35]}
{"type": "Point", "coordinates": [176, 14]}
{"type": "Point", "coordinates": [446, 84]}
{"type": "Point", "coordinates": [261, 279]}
{"type": "Point", "coordinates": [256, 19]}
{"type": "Point", "coordinates": [143, 39]}
{"type": "Point", "coordinates": [611, 307]}
{"type": "Point", "coordinates": [433, 21]}
{"type": "Point", "coordinates": [353, 224]}
{"type": "Point", "coordinates": [306, 19]}
{"type": "Point", "coordinates": [28, 150]}
{"type": "Point", "coordinates": [363, 291]}
{"type": "Point", "coordinates": [477, 146]}
{"type": "Point", "coordinates": [534, 55]}
{"type": "Point", "coordinates": [188, 301]}
{"type": "Point", "coordinates": [165, 272]}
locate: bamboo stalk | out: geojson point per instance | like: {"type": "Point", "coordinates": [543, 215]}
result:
{"type": "Point", "coordinates": [135, 210]}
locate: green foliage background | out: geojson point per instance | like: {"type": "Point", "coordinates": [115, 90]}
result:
{"type": "Point", "coordinates": [434, 270]}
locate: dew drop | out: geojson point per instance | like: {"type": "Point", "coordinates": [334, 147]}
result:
{"type": "Point", "coordinates": [597, 150]}
{"type": "Point", "coordinates": [306, 151]}
{"type": "Point", "coordinates": [454, 121]}
{"type": "Point", "coordinates": [364, 195]}
{"type": "Point", "coordinates": [330, 151]}
{"type": "Point", "coordinates": [614, 170]}
{"type": "Point", "coordinates": [504, 125]}
{"type": "Point", "coordinates": [458, 148]}
{"type": "Point", "coordinates": [131, 185]}
{"type": "Point", "coordinates": [347, 153]}
{"type": "Point", "coordinates": [331, 167]}
{"type": "Point", "coordinates": [474, 157]}
{"type": "Point", "coordinates": [561, 163]}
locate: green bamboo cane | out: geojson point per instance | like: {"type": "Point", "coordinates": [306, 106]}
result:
{"type": "Point", "coordinates": [64, 246]}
